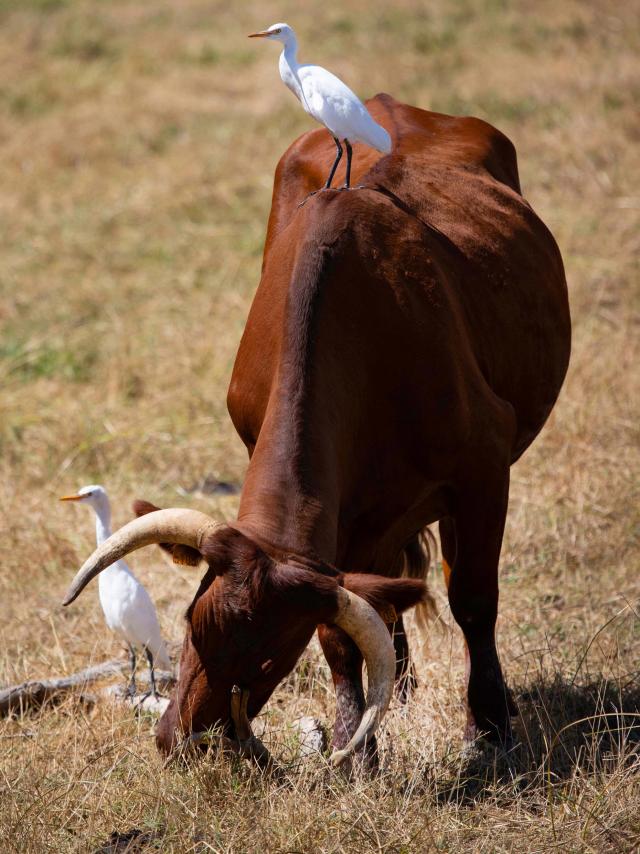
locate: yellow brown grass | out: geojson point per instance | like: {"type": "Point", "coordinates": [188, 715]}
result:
{"type": "Point", "coordinates": [137, 147]}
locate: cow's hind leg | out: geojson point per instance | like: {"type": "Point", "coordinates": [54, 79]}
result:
{"type": "Point", "coordinates": [472, 541]}
{"type": "Point", "coordinates": [447, 529]}
{"type": "Point", "coordinates": [345, 660]}
{"type": "Point", "coordinates": [406, 680]}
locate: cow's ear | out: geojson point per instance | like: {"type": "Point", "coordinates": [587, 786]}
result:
{"type": "Point", "coordinates": [184, 555]}
{"type": "Point", "coordinates": [140, 507]}
{"type": "Point", "coordinates": [389, 596]}
{"type": "Point", "coordinates": [307, 592]}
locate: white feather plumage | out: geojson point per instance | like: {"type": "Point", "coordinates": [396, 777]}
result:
{"type": "Point", "coordinates": [127, 607]}
{"type": "Point", "coordinates": [326, 99]}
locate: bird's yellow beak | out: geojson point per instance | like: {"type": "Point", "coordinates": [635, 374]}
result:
{"type": "Point", "coordinates": [71, 497]}
{"type": "Point", "coordinates": [261, 35]}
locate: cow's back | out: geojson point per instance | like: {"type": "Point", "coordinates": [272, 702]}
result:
{"type": "Point", "coordinates": [471, 278]}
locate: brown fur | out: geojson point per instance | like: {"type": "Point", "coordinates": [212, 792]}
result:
{"type": "Point", "coordinates": [405, 345]}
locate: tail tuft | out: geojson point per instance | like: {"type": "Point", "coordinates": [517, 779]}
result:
{"type": "Point", "coordinates": [417, 559]}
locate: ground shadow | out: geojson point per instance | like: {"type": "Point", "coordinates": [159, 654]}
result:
{"type": "Point", "coordinates": [561, 728]}
{"type": "Point", "coordinates": [131, 841]}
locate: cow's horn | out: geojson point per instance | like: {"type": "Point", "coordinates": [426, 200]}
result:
{"type": "Point", "coordinates": [363, 624]}
{"type": "Point", "coordinates": [178, 525]}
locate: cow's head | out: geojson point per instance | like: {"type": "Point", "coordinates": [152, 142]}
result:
{"type": "Point", "coordinates": [252, 617]}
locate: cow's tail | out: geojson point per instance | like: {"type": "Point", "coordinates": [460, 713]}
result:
{"type": "Point", "coordinates": [417, 559]}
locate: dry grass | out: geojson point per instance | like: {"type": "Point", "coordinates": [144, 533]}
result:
{"type": "Point", "coordinates": [137, 146]}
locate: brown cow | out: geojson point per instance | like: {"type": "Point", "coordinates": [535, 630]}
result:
{"type": "Point", "coordinates": [406, 344]}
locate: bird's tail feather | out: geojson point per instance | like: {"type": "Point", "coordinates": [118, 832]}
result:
{"type": "Point", "coordinates": [161, 658]}
{"type": "Point", "coordinates": [377, 137]}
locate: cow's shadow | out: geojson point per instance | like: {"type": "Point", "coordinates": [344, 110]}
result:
{"type": "Point", "coordinates": [562, 728]}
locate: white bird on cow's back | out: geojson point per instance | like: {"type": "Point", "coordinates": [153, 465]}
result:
{"type": "Point", "coordinates": [327, 99]}
{"type": "Point", "coordinates": [128, 609]}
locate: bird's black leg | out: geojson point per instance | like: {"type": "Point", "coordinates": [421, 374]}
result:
{"type": "Point", "coordinates": [131, 690]}
{"type": "Point", "coordinates": [335, 163]}
{"type": "Point", "coordinates": [152, 675]}
{"type": "Point", "coordinates": [327, 186]}
{"type": "Point", "coordinates": [347, 182]}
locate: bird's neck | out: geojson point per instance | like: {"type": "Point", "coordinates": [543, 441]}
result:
{"type": "Point", "coordinates": [103, 525]}
{"type": "Point", "coordinates": [290, 53]}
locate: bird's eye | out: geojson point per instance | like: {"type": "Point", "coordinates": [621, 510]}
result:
{"type": "Point", "coordinates": [277, 31]}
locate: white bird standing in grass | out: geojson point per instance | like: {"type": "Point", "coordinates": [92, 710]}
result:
{"type": "Point", "coordinates": [128, 609]}
{"type": "Point", "coordinates": [327, 99]}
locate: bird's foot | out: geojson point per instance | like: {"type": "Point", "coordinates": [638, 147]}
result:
{"type": "Point", "coordinates": [312, 193]}
{"type": "Point", "coordinates": [315, 193]}
{"type": "Point", "coordinates": [357, 187]}
{"type": "Point", "coordinates": [140, 701]}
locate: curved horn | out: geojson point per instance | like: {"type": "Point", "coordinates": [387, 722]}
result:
{"type": "Point", "coordinates": [366, 628]}
{"type": "Point", "coordinates": [178, 525]}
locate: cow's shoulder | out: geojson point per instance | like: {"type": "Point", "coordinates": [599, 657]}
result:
{"type": "Point", "coordinates": [462, 141]}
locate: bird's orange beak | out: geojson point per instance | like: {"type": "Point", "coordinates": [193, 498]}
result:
{"type": "Point", "coordinates": [71, 498]}
{"type": "Point", "coordinates": [261, 35]}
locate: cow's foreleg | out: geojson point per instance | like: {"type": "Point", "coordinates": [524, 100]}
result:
{"type": "Point", "coordinates": [472, 541]}
{"type": "Point", "coordinates": [345, 660]}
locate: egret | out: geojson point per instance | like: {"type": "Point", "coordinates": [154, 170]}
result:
{"type": "Point", "coordinates": [128, 609]}
{"type": "Point", "coordinates": [327, 99]}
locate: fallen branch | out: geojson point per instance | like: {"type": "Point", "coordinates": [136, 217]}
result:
{"type": "Point", "coordinates": [139, 703]}
{"type": "Point", "coordinates": [35, 693]}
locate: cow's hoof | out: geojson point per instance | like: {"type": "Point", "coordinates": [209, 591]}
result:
{"type": "Point", "coordinates": [500, 737]}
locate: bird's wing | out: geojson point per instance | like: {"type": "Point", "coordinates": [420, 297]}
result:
{"type": "Point", "coordinates": [330, 101]}
{"type": "Point", "coordinates": [141, 619]}
{"type": "Point", "coordinates": [117, 589]}
{"type": "Point", "coordinates": [327, 84]}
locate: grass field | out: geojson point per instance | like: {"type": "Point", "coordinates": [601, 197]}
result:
{"type": "Point", "coordinates": [138, 140]}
